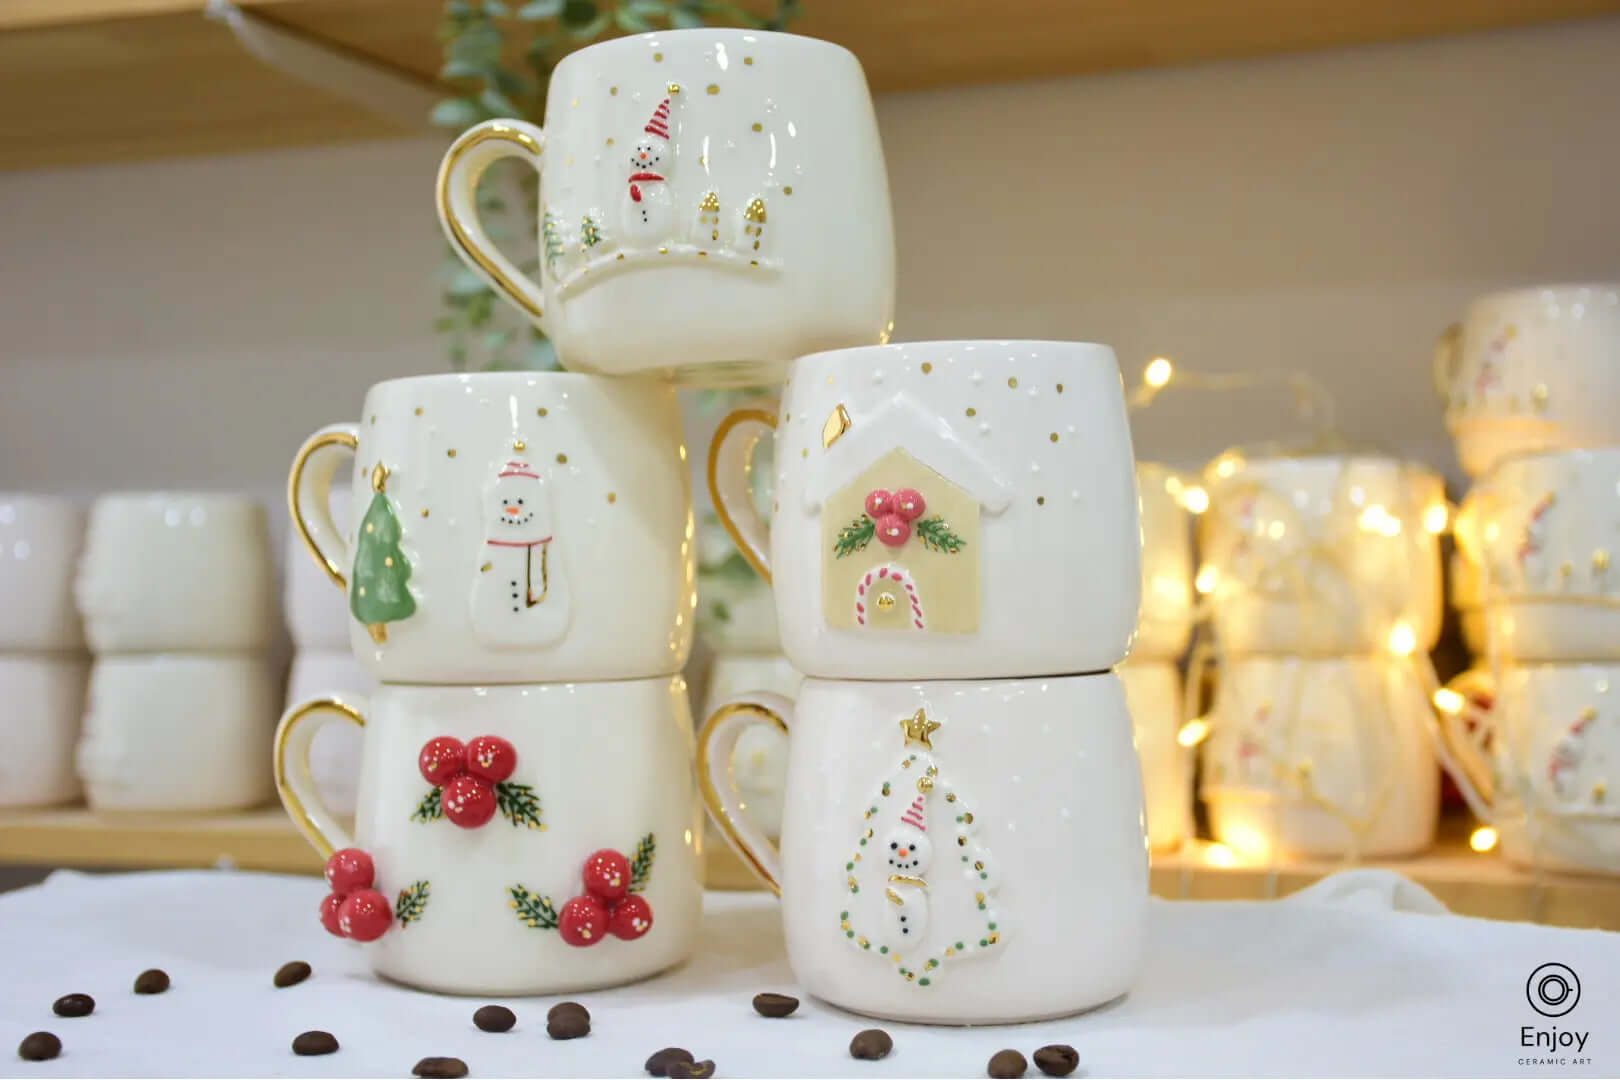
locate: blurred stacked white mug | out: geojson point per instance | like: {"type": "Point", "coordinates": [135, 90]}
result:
{"type": "Point", "coordinates": [42, 656]}
{"type": "Point", "coordinates": [177, 593]}
{"type": "Point", "coordinates": [1324, 571]}
{"type": "Point", "coordinates": [1532, 382]}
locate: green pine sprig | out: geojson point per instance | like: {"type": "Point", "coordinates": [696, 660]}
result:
{"type": "Point", "coordinates": [412, 902]}
{"type": "Point", "coordinates": [431, 808]}
{"type": "Point", "coordinates": [518, 804]}
{"type": "Point", "coordinates": [536, 912]}
{"type": "Point", "coordinates": [641, 863]}
{"type": "Point", "coordinates": [854, 536]}
{"type": "Point", "coordinates": [937, 536]}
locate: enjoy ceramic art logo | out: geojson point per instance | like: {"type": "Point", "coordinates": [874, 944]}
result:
{"type": "Point", "coordinates": [1553, 990]}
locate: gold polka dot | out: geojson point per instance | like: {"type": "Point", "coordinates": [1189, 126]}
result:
{"type": "Point", "coordinates": [788, 190]}
{"type": "Point", "coordinates": [658, 57]}
{"type": "Point", "coordinates": [972, 411]}
{"type": "Point", "coordinates": [424, 511]}
{"type": "Point", "coordinates": [610, 140]}
{"type": "Point", "coordinates": [370, 527]}
{"type": "Point", "coordinates": [1040, 500]}
{"type": "Point", "coordinates": [1013, 382]}
{"type": "Point", "coordinates": [1053, 436]}
{"type": "Point", "coordinates": [519, 444]}
{"type": "Point", "coordinates": [419, 410]}
{"type": "Point", "coordinates": [574, 104]}
{"type": "Point", "coordinates": [388, 560]}
{"type": "Point", "coordinates": [758, 126]}
{"type": "Point", "coordinates": [361, 589]}
{"type": "Point", "coordinates": [451, 453]}
{"type": "Point", "coordinates": [541, 411]}
{"type": "Point", "coordinates": [374, 418]}
{"type": "Point", "coordinates": [613, 91]}
{"type": "Point", "coordinates": [569, 160]}
{"type": "Point", "coordinates": [804, 453]}
{"type": "Point", "coordinates": [927, 367]}
{"type": "Point", "coordinates": [613, 497]}
{"type": "Point", "coordinates": [562, 459]}
{"type": "Point", "coordinates": [1060, 388]}
{"type": "Point", "coordinates": [748, 60]}
{"type": "Point", "coordinates": [714, 88]}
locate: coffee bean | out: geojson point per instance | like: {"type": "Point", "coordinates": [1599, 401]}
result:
{"type": "Point", "coordinates": [775, 1005]}
{"type": "Point", "coordinates": [291, 974]}
{"type": "Point", "coordinates": [871, 1044]}
{"type": "Point", "coordinates": [659, 1063]}
{"type": "Point", "coordinates": [74, 1005]}
{"type": "Point", "coordinates": [1007, 1065]}
{"type": "Point", "coordinates": [313, 1043]}
{"type": "Point", "coordinates": [494, 1018]}
{"type": "Point", "coordinates": [440, 1068]}
{"type": "Point", "coordinates": [152, 981]}
{"type": "Point", "coordinates": [568, 1020]}
{"type": "Point", "coordinates": [1059, 1059]}
{"type": "Point", "coordinates": [691, 1070]}
{"type": "Point", "coordinates": [40, 1046]}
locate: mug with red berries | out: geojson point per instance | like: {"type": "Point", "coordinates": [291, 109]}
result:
{"type": "Point", "coordinates": [520, 839]}
{"type": "Point", "coordinates": [943, 508]}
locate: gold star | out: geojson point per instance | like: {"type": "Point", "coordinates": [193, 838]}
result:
{"type": "Point", "coordinates": [379, 477]}
{"type": "Point", "coordinates": [918, 727]}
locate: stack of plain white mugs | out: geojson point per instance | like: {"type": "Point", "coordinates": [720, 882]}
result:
{"type": "Point", "coordinates": [954, 550]}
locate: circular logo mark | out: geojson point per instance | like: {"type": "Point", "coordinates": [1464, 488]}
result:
{"type": "Point", "coordinates": [1553, 990]}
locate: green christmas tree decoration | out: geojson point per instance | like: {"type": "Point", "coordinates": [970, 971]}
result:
{"type": "Point", "coordinates": [551, 234]}
{"type": "Point", "coordinates": [411, 903]}
{"type": "Point", "coordinates": [378, 595]}
{"type": "Point", "coordinates": [590, 233]}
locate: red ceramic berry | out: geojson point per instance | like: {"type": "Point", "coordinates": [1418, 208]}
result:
{"type": "Point", "coordinates": [631, 917]}
{"type": "Point", "coordinates": [893, 529]}
{"type": "Point", "coordinates": [468, 801]}
{"type": "Point", "coordinates": [441, 759]}
{"type": "Point", "coordinates": [908, 503]}
{"type": "Point", "coordinates": [607, 875]}
{"type": "Point", "coordinates": [491, 758]}
{"type": "Point", "coordinates": [878, 503]}
{"type": "Point", "coordinates": [350, 870]}
{"type": "Point", "coordinates": [583, 921]}
{"type": "Point", "coordinates": [329, 914]}
{"type": "Point", "coordinates": [365, 915]}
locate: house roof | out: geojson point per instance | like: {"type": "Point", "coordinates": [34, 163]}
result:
{"type": "Point", "coordinates": [901, 423]}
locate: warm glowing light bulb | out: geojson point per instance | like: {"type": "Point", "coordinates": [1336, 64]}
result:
{"type": "Point", "coordinates": [1172, 484]}
{"type": "Point", "coordinates": [1276, 529]}
{"type": "Point", "coordinates": [1449, 701]}
{"type": "Point", "coordinates": [1219, 854]}
{"type": "Point", "coordinates": [1379, 520]}
{"type": "Point", "coordinates": [1158, 372]}
{"type": "Point", "coordinates": [1483, 839]}
{"type": "Point", "coordinates": [1436, 518]}
{"type": "Point", "coordinates": [1193, 732]}
{"type": "Point", "coordinates": [1207, 579]}
{"type": "Point", "coordinates": [1402, 639]}
{"type": "Point", "coordinates": [1225, 467]}
{"type": "Point", "coordinates": [1195, 499]}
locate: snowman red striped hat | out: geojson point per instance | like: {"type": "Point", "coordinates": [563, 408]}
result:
{"type": "Point", "coordinates": [518, 468]}
{"type": "Point", "coordinates": [914, 815]}
{"type": "Point", "coordinates": [659, 124]}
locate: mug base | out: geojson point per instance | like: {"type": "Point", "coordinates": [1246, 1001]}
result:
{"type": "Point", "coordinates": [498, 989]}
{"type": "Point", "coordinates": [901, 1017]}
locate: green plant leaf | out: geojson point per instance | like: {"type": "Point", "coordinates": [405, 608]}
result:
{"type": "Point", "coordinates": [411, 903]}
{"type": "Point", "coordinates": [463, 69]}
{"type": "Point", "coordinates": [535, 10]}
{"type": "Point", "coordinates": [648, 9]}
{"type": "Point", "coordinates": [444, 323]}
{"type": "Point", "coordinates": [535, 911]}
{"type": "Point", "coordinates": [682, 19]}
{"type": "Point", "coordinates": [591, 29]}
{"type": "Point", "coordinates": [630, 22]}
{"type": "Point", "coordinates": [518, 804]}
{"type": "Point", "coordinates": [498, 103]}
{"type": "Point", "coordinates": [463, 282]}
{"type": "Point", "coordinates": [496, 9]}
{"type": "Point", "coordinates": [458, 113]}
{"type": "Point", "coordinates": [578, 13]}
{"type": "Point", "coordinates": [641, 862]}
{"type": "Point", "coordinates": [479, 43]}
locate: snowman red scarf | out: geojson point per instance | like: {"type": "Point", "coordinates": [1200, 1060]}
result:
{"type": "Point", "coordinates": [638, 178]}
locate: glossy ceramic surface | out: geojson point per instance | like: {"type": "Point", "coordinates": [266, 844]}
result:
{"type": "Point", "coordinates": [713, 203]}
{"type": "Point", "coordinates": [607, 766]}
{"type": "Point", "coordinates": [170, 571]}
{"type": "Point", "coordinates": [178, 732]}
{"type": "Point", "coordinates": [1545, 528]}
{"type": "Point", "coordinates": [1165, 623]}
{"type": "Point", "coordinates": [1321, 758]}
{"type": "Point", "coordinates": [1153, 694]}
{"type": "Point", "coordinates": [509, 527]}
{"type": "Point", "coordinates": [1021, 554]}
{"type": "Point", "coordinates": [952, 852]}
{"type": "Point", "coordinates": [40, 540]}
{"type": "Point", "coordinates": [1323, 555]}
{"type": "Point", "coordinates": [1532, 369]}
{"type": "Point", "coordinates": [41, 702]}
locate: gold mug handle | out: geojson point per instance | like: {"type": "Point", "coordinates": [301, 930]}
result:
{"type": "Point", "coordinates": [309, 496]}
{"type": "Point", "coordinates": [477, 149]}
{"type": "Point", "coordinates": [731, 460]}
{"type": "Point", "coordinates": [1462, 751]}
{"type": "Point", "coordinates": [726, 805]}
{"type": "Point", "coordinates": [296, 786]}
{"type": "Point", "coordinates": [1447, 358]}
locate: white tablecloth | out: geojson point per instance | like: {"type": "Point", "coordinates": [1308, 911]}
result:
{"type": "Point", "coordinates": [1345, 979]}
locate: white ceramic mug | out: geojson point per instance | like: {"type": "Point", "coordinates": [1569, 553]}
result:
{"type": "Point", "coordinates": [944, 508]}
{"type": "Point", "coordinates": [1545, 528]}
{"type": "Point", "coordinates": [177, 572]}
{"type": "Point", "coordinates": [178, 732]}
{"type": "Point", "coordinates": [1542, 760]}
{"type": "Point", "coordinates": [508, 527]}
{"type": "Point", "coordinates": [40, 540]}
{"type": "Point", "coordinates": [334, 757]}
{"type": "Point", "coordinates": [41, 702]}
{"type": "Point", "coordinates": [1326, 757]}
{"type": "Point", "coordinates": [1165, 623]}
{"type": "Point", "coordinates": [1322, 555]}
{"type": "Point", "coordinates": [489, 877]}
{"type": "Point", "coordinates": [1154, 694]}
{"type": "Point", "coordinates": [317, 614]}
{"type": "Point", "coordinates": [713, 203]}
{"type": "Point", "coordinates": [952, 852]}
{"type": "Point", "coordinates": [1532, 369]}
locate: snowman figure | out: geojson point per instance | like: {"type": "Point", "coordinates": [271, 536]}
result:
{"type": "Point", "coordinates": [649, 209]}
{"type": "Point", "coordinates": [910, 855]}
{"type": "Point", "coordinates": [520, 596]}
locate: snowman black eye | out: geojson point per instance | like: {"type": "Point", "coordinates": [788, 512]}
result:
{"type": "Point", "coordinates": [893, 844]}
{"type": "Point", "coordinates": [520, 502]}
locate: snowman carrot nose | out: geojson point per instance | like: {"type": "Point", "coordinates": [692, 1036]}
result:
{"type": "Point", "coordinates": [904, 852]}
{"type": "Point", "coordinates": [512, 510]}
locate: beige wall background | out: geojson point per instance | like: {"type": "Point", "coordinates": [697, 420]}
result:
{"type": "Point", "coordinates": [186, 323]}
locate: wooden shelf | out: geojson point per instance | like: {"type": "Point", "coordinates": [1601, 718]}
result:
{"type": "Point", "coordinates": [144, 78]}
{"type": "Point", "coordinates": [251, 840]}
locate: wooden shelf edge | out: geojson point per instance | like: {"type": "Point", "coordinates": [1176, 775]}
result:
{"type": "Point", "coordinates": [77, 837]}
